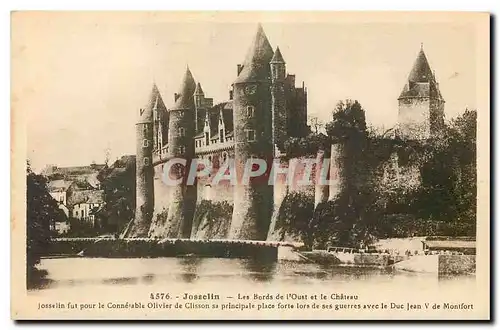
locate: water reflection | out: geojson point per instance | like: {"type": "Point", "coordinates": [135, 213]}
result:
{"type": "Point", "coordinates": [259, 270]}
{"type": "Point", "coordinates": [121, 280]}
{"type": "Point", "coordinates": [192, 271]}
{"type": "Point", "coordinates": [189, 268]}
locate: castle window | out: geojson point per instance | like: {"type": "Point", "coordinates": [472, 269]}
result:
{"type": "Point", "coordinates": [221, 135]}
{"type": "Point", "coordinates": [145, 143]}
{"type": "Point", "coordinates": [250, 135]}
{"type": "Point", "coordinates": [182, 149]}
{"type": "Point", "coordinates": [145, 129]}
{"type": "Point", "coordinates": [224, 156]}
{"type": "Point", "coordinates": [250, 111]}
{"type": "Point", "coordinates": [207, 139]}
{"type": "Point", "coordinates": [146, 161]}
{"type": "Point", "coordinates": [182, 131]}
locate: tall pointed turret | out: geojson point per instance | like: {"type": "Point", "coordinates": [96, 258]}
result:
{"type": "Point", "coordinates": [277, 57]}
{"type": "Point", "coordinates": [184, 99]}
{"type": "Point", "coordinates": [256, 64]}
{"type": "Point", "coordinates": [181, 132]}
{"type": "Point", "coordinates": [144, 167]}
{"type": "Point", "coordinates": [421, 106]}
{"type": "Point", "coordinates": [252, 117]}
{"type": "Point", "coordinates": [198, 90]}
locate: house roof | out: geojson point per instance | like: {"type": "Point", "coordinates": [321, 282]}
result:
{"type": "Point", "coordinates": [59, 185]}
{"type": "Point", "coordinates": [185, 96]}
{"type": "Point", "coordinates": [86, 196]}
{"type": "Point", "coordinates": [73, 170]}
{"type": "Point", "coordinates": [256, 65]}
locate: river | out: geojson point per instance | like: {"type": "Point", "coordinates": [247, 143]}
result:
{"type": "Point", "coordinates": [66, 274]}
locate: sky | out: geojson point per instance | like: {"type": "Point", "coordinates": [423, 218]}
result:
{"type": "Point", "coordinates": [81, 78]}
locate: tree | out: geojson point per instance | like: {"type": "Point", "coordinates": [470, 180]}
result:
{"type": "Point", "coordinates": [41, 213]}
{"type": "Point", "coordinates": [316, 124]}
{"type": "Point", "coordinates": [295, 216]}
{"type": "Point", "coordinates": [348, 121]}
{"type": "Point", "coordinates": [118, 183]}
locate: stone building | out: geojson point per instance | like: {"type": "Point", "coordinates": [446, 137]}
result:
{"type": "Point", "coordinates": [264, 108]}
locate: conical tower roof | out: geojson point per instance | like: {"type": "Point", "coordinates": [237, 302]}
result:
{"type": "Point", "coordinates": [421, 81]}
{"type": "Point", "coordinates": [421, 71]}
{"type": "Point", "coordinates": [154, 102]}
{"type": "Point", "coordinates": [256, 65]}
{"type": "Point", "coordinates": [185, 99]}
{"type": "Point", "coordinates": [277, 58]}
{"type": "Point", "coordinates": [198, 90]}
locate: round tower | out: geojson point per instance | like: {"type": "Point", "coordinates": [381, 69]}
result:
{"type": "Point", "coordinates": [181, 132]}
{"type": "Point", "coordinates": [144, 168]}
{"type": "Point", "coordinates": [252, 115]}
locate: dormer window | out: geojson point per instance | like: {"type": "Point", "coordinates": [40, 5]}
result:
{"type": "Point", "coordinates": [250, 111]}
{"type": "Point", "coordinates": [182, 131]}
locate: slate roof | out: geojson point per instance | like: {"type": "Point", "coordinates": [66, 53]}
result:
{"type": "Point", "coordinates": [277, 58]}
{"type": "Point", "coordinates": [59, 185]}
{"type": "Point", "coordinates": [86, 196]}
{"type": "Point", "coordinates": [198, 90]}
{"type": "Point", "coordinates": [185, 96]}
{"type": "Point", "coordinates": [214, 116]}
{"type": "Point", "coordinates": [256, 65]}
{"type": "Point", "coordinates": [154, 102]}
{"type": "Point", "coordinates": [73, 170]}
{"type": "Point", "coordinates": [421, 80]}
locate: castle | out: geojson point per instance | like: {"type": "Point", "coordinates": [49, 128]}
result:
{"type": "Point", "coordinates": [264, 108]}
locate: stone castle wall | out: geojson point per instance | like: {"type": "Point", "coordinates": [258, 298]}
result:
{"type": "Point", "coordinates": [221, 196]}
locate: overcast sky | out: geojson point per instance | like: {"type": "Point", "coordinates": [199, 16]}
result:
{"type": "Point", "coordinates": [83, 77]}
